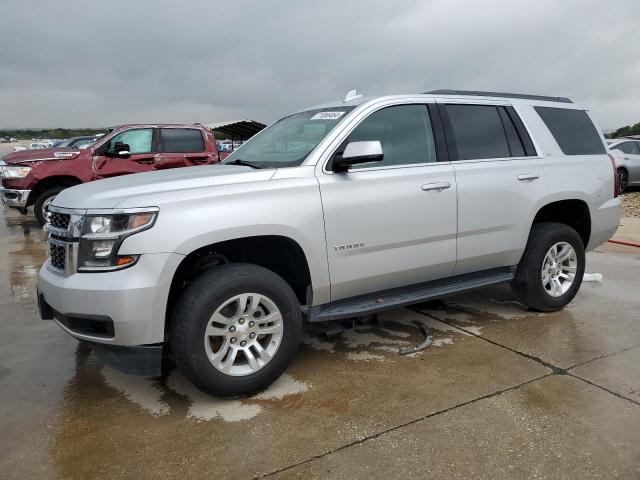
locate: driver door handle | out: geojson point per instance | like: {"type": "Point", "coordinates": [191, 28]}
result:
{"type": "Point", "coordinates": [145, 160]}
{"type": "Point", "coordinates": [528, 176]}
{"type": "Point", "coordinates": [438, 187]}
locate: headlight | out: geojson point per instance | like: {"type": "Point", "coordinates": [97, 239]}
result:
{"type": "Point", "coordinates": [102, 236]}
{"type": "Point", "coordinates": [14, 171]}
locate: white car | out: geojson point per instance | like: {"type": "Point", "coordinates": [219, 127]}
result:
{"type": "Point", "coordinates": [626, 152]}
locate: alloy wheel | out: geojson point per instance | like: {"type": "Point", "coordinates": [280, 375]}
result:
{"type": "Point", "coordinates": [559, 269]}
{"type": "Point", "coordinates": [243, 334]}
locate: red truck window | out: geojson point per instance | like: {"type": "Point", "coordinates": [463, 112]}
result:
{"type": "Point", "coordinates": [181, 140]}
{"type": "Point", "coordinates": [139, 141]}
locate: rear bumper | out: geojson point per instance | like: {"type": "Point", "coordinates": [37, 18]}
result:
{"type": "Point", "coordinates": [604, 222]}
{"type": "Point", "coordinates": [14, 198]}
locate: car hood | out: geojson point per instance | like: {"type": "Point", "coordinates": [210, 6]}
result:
{"type": "Point", "coordinates": [153, 188]}
{"type": "Point", "coordinates": [42, 154]}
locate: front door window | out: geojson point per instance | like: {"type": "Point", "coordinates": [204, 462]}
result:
{"type": "Point", "coordinates": [139, 141]}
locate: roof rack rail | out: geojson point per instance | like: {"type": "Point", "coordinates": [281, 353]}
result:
{"type": "Point", "coordinates": [500, 94]}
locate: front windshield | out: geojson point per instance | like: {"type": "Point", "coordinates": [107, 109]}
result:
{"type": "Point", "coordinates": [288, 142]}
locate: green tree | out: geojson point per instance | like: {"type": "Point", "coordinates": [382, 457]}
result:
{"type": "Point", "coordinates": [626, 131]}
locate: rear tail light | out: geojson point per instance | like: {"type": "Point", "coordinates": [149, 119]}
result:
{"type": "Point", "coordinates": [616, 178]}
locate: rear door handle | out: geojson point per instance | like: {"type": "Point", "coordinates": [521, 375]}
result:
{"type": "Point", "coordinates": [197, 158]}
{"type": "Point", "coordinates": [438, 187]}
{"type": "Point", "coordinates": [528, 177]}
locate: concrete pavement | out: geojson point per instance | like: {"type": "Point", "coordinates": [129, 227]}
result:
{"type": "Point", "coordinates": [503, 393]}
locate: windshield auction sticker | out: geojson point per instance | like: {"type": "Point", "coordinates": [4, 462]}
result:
{"type": "Point", "coordinates": [327, 116]}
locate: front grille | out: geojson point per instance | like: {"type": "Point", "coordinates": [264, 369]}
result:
{"type": "Point", "coordinates": [57, 254]}
{"type": "Point", "coordinates": [64, 227]}
{"type": "Point", "coordinates": [59, 220]}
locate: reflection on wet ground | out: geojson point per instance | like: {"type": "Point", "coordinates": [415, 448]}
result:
{"type": "Point", "coordinates": [502, 393]}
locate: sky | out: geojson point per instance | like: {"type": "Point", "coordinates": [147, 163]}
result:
{"type": "Point", "coordinates": [99, 63]}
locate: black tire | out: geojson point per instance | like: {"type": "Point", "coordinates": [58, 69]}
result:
{"type": "Point", "coordinates": [527, 286]}
{"type": "Point", "coordinates": [38, 210]}
{"type": "Point", "coordinates": [202, 298]}
{"type": "Point", "coordinates": [623, 176]}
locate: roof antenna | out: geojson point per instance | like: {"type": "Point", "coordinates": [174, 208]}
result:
{"type": "Point", "coordinates": [352, 95]}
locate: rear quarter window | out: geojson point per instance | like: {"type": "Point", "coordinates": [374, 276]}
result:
{"type": "Point", "coordinates": [573, 130]}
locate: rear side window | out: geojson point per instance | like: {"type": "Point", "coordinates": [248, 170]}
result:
{"type": "Point", "coordinates": [515, 145]}
{"type": "Point", "coordinates": [573, 130]}
{"type": "Point", "coordinates": [627, 147]}
{"type": "Point", "coordinates": [181, 140]}
{"type": "Point", "coordinates": [478, 132]}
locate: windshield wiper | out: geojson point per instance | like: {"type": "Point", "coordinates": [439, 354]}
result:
{"type": "Point", "coordinates": [244, 163]}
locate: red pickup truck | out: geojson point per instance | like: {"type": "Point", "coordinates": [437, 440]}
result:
{"type": "Point", "coordinates": [35, 177]}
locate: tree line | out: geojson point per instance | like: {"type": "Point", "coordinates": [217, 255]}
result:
{"type": "Point", "coordinates": [28, 134]}
{"type": "Point", "coordinates": [626, 131]}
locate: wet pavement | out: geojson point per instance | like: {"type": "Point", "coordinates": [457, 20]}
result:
{"type": "Point", "coordinates": [502, 393]}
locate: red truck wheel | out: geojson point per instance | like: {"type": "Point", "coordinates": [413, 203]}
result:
{"type": "Point", "coordinates": [42, 203]}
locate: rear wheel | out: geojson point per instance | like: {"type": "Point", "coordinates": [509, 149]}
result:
{"type": "Point", "coordinates": [42, 203]}
{"type": "Point", "coordinates": [235, 329]}
{"type": "Point", "coordinates": [551, 269]}
{"type": "Point", "coordinates": [623, 175]}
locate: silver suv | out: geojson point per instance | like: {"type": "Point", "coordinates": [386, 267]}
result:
{"type": "Point", "coordinates": [333, 212]}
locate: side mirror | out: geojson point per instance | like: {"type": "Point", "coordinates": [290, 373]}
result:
{"type": "Point", "coordinates": [120, 150]}
{"type": "Point", "coordinates": [358, 152]}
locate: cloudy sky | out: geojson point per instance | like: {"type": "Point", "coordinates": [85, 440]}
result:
{"type": "Point", "coordinates": [98, 63]}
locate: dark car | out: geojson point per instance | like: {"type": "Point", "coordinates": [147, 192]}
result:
{"type": "Point", "coordinates": [77, 142]}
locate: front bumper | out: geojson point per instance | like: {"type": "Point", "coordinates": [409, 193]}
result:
{"type": "Point", "coordinates": [121, 308]}
{"type": "Point", "coordinates": [14, 198]}
{"type": "Point", "coordinates": [135, 360]}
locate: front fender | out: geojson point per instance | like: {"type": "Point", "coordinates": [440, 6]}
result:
{"type": "Point", "coordinates": [287, 207]}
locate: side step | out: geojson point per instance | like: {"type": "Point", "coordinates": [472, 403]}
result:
{"type": "Point", "coordinates": [399, 297]}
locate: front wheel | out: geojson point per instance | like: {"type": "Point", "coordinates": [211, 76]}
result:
{"type": "Point", "coordinates": [551, 269]}
{"type": "Point", "coordinates": [235, 329]}
{"type": "Point", "coordinates": [41, 205]}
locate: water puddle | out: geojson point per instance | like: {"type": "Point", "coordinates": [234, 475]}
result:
{"type": "Point", "coordinates": [152, 396]}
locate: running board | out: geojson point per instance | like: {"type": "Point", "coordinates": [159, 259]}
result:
{"type": "Point", "coordinates": [399, 297]}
